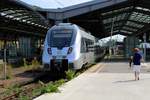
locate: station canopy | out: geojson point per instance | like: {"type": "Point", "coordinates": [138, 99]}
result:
{"type": "Point", "coordinates": [19, 18]}
{"type": "Point", "coordinates": [129, 18]}
{"type": "Point", "coordinates": [100, 17]}
{"type": "Point", "coordinates": [126, 17]}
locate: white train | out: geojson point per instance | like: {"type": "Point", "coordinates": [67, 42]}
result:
{"type": "Point", "coordinates": [67, 46]}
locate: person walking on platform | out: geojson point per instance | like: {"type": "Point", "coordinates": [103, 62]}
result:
{"type": "Point", "coordinates": [137, 63]}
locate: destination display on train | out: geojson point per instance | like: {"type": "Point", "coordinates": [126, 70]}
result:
{"type": "Point", "coordinates": [62, 33]}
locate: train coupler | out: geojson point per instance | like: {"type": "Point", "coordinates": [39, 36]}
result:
{"type": "Point", "coordinates": [60, 65]}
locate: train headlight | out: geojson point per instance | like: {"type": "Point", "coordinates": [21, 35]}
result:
{"type": "Point", "coordinates": [70, 50]}
{"type": "Point", "coordinates": [49, 51]}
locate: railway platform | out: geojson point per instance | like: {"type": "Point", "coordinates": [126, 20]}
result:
{"type": "Point", "coordinates": [105, 81]}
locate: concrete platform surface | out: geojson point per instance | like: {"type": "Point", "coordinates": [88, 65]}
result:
{"type": "Point", "coordinates": [110, 81]}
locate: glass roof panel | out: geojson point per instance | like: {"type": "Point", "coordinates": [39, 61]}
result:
{"type": "Point", "coordinates": [127, 32]}
{"type": "Point", "coordinates": [109, 20]}
{"type": "Point", "coordinates": [115, 25]}
{"type": "Point", "coordinates": [116, 11]}
{"type": "Point", "coordinates": [141, 8]}
{"type": "Point", "coordinates": [120, 17]}
{"type": "Point", "coordinates": [130, 29]}
{"type": "Point", "coordinates": [16, 18]}
{"type": "Point", "coordinates": [133, 24]}
{"type": "Point", "coordinates": [115, 31]}
{"type": "Point", "coordinates": [2, 14]}
{"type": "Point", "coordinates": [23, 15]}
{"type": "Point", "coordinates": [116, 18]}
{"type": "Point", "coordinates": [9, 12]}
{"type": "Point", "coordinates": [140, 17]}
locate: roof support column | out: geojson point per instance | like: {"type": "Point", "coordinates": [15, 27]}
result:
{"type": "Point", "coordinates": [57, 16]}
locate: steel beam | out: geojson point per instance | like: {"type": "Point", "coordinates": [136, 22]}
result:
{"type": "Point", "coordinates": [68, 12]}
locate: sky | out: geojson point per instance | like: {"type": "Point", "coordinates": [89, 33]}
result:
{"type": "Point", "coordinates": [53, 4]}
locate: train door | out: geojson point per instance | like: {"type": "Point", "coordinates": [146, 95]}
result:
{"type": "Point", "coordinates": [85, 56]}
{"type": "Point", "coordinates": [89, 51]}
{"type": "Point", "coordinates": [83, 51]}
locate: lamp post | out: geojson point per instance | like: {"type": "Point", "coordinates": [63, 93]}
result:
{"type": "Point", "coordinates": [111, 33]}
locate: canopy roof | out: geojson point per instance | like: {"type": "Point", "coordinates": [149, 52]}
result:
{"type": "Point", "coordinates": [130, 18]}
{"type": "Point", "coordinates": [127, 17]}
{"type": "Point", "coordinates": [17, 17]}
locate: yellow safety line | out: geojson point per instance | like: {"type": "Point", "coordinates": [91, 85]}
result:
{"type": "Point", "coordinates": [94, 68]}
{"type": "Point", "coordinates": [100, 68]}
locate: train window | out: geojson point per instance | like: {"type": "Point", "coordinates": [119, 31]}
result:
{"type": "Point", "coordinates": [61, 38]}
{"type": "Point", "coordinates": [86, 45]}
{"type": "Point", "coordinates": [83, 48]}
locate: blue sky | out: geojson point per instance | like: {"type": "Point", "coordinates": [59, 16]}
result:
{"type": "Point", "coordinates": [53, 4]}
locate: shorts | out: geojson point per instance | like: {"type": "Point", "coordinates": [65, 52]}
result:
{"type": "Point", "coordinates": [136, 68]}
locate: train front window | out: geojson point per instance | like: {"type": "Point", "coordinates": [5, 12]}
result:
{"type": "Point", "coordinates": [61, 38]}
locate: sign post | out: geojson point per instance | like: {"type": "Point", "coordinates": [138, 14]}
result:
{"type": "Point", "coordinates": [5, 67]}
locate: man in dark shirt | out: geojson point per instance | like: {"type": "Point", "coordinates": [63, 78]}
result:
{"type": "Point", "coordinates": [137, 63]}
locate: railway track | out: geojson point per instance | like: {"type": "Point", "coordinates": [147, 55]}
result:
{"type": "Point", "coordinates": [26, 90]}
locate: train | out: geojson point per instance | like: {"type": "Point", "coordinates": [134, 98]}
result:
{"type": "Point", "coordinates": [68, 46]}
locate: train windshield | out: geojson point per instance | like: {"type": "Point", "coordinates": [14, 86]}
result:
{"type": "Point", "coordinates": [61, 38]}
